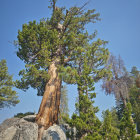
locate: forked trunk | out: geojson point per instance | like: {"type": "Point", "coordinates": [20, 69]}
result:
{"type": "Point", "coordinates": [49, 108]}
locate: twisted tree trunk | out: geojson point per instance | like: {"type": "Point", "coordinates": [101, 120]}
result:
{"type": "Point", "coordinates": [49, 108]}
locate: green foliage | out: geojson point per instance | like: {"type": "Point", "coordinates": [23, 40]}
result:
{"type": "Point", "coordinates": [86, 123]}
{"type": "Point", "coordinates": [134, 95]}
{"type": "Point", "coordinates": [134, 72]}
{"type": "Point", "coordinates": [84, 120]}
{"type": "Point", "coordinates": [8, 96]}
{"type": "Point", "coordinates": [127, 127]}
{"type": "Point", "coordinates": [89, 61]}
{"type": "Point", "coordinates": [108, 130]}
{"type": "Point", "coordinates": [115, 119]}
{"type": "Point", "coordinates": [137, 138]}
{"type": "Point", "coordinates": [64, 111]}
{"type": "Point", "coordinates": [21, 115]}
{"type": "Point", "coordinates": [62, 38]}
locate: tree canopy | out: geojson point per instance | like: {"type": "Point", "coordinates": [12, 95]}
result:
{"type": "Point", "coordinates": [64, 38]}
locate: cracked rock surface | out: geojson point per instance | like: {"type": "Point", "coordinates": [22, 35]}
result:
{"type": "Point", "coordinates": [19, 129]}
{"type": "Point", "coordinates": [26, 129]}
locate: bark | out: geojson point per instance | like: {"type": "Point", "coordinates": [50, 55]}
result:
{"type": "Point", "coordinates": [49, 108]}
{"type": "Point", "coordinates": [123, 100]}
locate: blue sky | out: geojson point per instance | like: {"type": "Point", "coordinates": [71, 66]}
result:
{"type": "Point", "coordinates": [120, 25]}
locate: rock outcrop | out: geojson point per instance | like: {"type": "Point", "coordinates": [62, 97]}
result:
{"type": "Point", "coordinates": [54, 133]}
{"type": "Point", "coordinates": [27, 129]}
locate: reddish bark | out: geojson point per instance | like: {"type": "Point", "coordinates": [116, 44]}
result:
{"type": "Point", "coordinates": [49, 108]}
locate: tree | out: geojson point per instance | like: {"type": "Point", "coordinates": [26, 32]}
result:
{"type": "Point", "coordinates": [134, 95]}
{"type": "Point", "coordinates": [136, 76]}
{"type": "Point", "coordinates": [115, 119]}
{"type": "Point", "coordinates": [127, 128]}
{"type": "Point", "coordinates": [64, 111]}
{"type": "Point", "coordinates": [119, 85]}
{"type": "Point", "coordinates": [109, 132]}
{"type": "Point", "coordinates": [52, 50]}
{"type": "Point", "coordinates": [120, 82]}
{"type": "Point", "coordinates": [84, 120]}
{"type": "Point", "coordinates": [8, 96]}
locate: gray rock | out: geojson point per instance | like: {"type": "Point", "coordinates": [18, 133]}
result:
{"type": "Point", "coordinates": [29, 118]}
{"type": "Point", "coordinates": [8, 129]}
{"type": "Point", "coordinates": [71, 131]}
{"type": "Point", "coordinates": [26, 129]}
{"type": "Point", "coordinates": [54, 132]}
{"type": "Point", "coordinates": [8, 134]}
{"type": "Point", "coordinates": [8, 123]}
{"type": "Point", "coordinates": [19, 129]}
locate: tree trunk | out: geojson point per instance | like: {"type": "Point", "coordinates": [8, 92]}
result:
{"type": "Point", "coordinates": [123, 99]}
{"type": "Point", "coordinates": [49, 108]}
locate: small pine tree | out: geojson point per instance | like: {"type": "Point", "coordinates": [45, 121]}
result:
{"type": "Point", "coordinates": [127, 127]}
{"type": "Point", "coordinates": [86, 123]}
{"type": "Point", "coordinates": [8, 96]}
{"type": "Point", "coordinates": [108, 131]}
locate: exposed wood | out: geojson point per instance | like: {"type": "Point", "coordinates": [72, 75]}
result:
{"type": "Point", "coordinates": [49, 108]}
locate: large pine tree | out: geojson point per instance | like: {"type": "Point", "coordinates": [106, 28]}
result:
{"type": "Point", "coordinates": [56, 50]}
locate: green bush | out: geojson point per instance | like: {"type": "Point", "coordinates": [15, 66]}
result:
{"type": "Point", "coordinates": [21, 115]}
